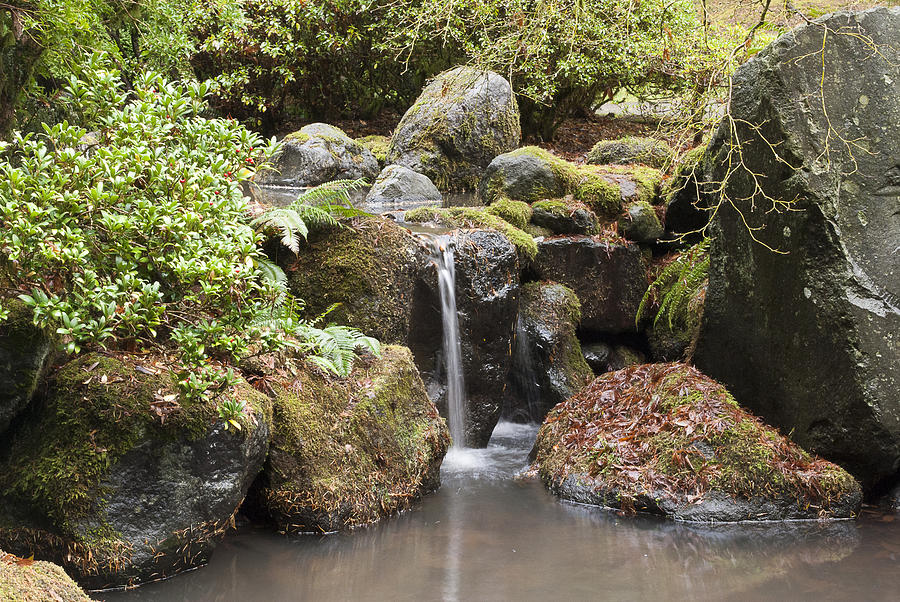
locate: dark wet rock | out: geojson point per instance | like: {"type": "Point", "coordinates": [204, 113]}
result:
{"type": "Point", "coordinates": [370, 267]}
{"type": "Point", "coordinates": [564, 216]}
{"type": "Point", "coordinates": [36, 582]}
{"type": "Point", "coordinates": [685, 194]}
{"type": "Point", "coordinates": [548, 366]}
{"type": "Point", "coordinates": [316, 154]}
{"type": "Point", "coordinates": [631, 149]}
{"type": "Point", "coordinates": [664, 439]}
{"type": "Point", "coordinates": [114, 479]}
{"type": "Point", "coordinates": [461, 121]}
{"type": "Point", "coordinates": [399, 188]}
{"type": "Point", "coordinates": [487, 301]}
{"type": "Point", "coordinates": [608, 278]}
{"type": "Point", "coordinates": [607, 357]}
{"type": "Point", "coordinates": [347, 452]}
{"type": "Point", "coordinates": [640, 223]}
{"type": "Point", "coordinates": [24, 349]}
{"type": "Point", "coordinates": [809, 339]}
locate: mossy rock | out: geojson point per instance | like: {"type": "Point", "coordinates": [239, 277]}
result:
{"type": "Point", "coordinates": [38, 581]}
{"type": "Point", "coordinates": [347, 452]}
{"type": "Point", "coordinates": [632, 149]}
{"type": "Point", "coordinates": [316, 154]}
{"type": "Point", "coordinates": [378, 146]}
{"type": "Point", "coordinates": [665, 439]}
{"type": "Point", "coordinates": [118, 479]}
{"type": "Point", "coordinates": [462, 120]}
{"type": "Point", "coordinates": [531, 174]}
{"type": "Point", "coordinates": [637, 183]}
{"type": "Point", "coordinates": [548, 365]}
{"type": "Point", "coordinates": [640, 223]}
{"type": "Point", "coordinates": [565, 216]}
{"type": "Point", "coordinates": [369, 267]}
{"type": "Point", "coordinates": [516, 213]}
{"type": "Point", "coordinates": [24, 350]}
{"type": "Point", "coordinates": [477, 217]}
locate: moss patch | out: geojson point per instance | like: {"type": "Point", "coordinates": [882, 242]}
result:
{"type": "Point", "coordinates": [472, 217]}
{"type": "Point", "coordinates": [36, 582]}
{"type": "Point", "coordinates": [665, 429]}
{"type": "Point", "coordinates": [377, 145]}
{"type": "Point", "coordinates": [632, 149]}
{"type": "Point", "coordinates": [516, 213]}
{"type": "Point", "coordinates": [350, 451]}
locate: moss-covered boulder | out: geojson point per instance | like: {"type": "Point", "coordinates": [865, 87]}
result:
{"type": "Point", "coordinates": [347, 452]}
{"type": "Point", "coordinates": [565, 216]}
{"type": "Point", "coordinates": [118, 479]}
{"type": "Point", "coordinates": [24, 349]}
{"type": "Point", "coordinates": [27, 581]}
{"type": "Point", "coordinates": [632, 149]}
{"type": "Point", "coordinates": [369, 267]}
{"type": "Point", "coordinates": [663, 438]}
{"type": "Point", "coordinates": [477, 218]}
{"type": "Point", "coordinates": [606, 274]}
{"type": "Point", "coordinates": [532, 174]}
{"type": "Point", "coordinates": [461, 121]}
{"type": "Point", "coordinates": [316, 154]}
{"type": "Point", "coordinates": [516, 213]}
{"type": "Point", "coordinates": [548, 365]}
{"type": "Point", "coordinates": [487, 303]}
{"type": "Point", "coordinates": [378, 146]}
{"type": "Point", "coordinates": [640, 223]}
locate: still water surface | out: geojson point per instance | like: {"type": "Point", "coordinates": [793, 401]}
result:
{"type": "Point", "coordinates": [489, 536]}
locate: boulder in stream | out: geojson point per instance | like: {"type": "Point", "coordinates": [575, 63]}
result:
{"type": "Point", "coordinates": [399, 188]}
{"type": "Point", "coordinates": [349, 451]}
{"type": "Point", "coordinates": [548, 366]}
{"type": "Point", "coordinates": [117, 479]}
{"type": "Point", "coordinates": [665, 439]}
{"type": "Point", "coordinates": [316, 154]}
{"type": "Point", "coordinates": [462, 120]}
{"type": "Point", "coordinates": [809, 337]}
{"type": "Point", "coordinates": [24, 350]}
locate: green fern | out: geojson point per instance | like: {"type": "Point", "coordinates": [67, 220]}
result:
{"type": "Point", "coordinates": [678, 286]}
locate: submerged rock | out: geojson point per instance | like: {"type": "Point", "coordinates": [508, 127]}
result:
{"type": "Point", "coordinates": [119, 481]}
{"type": "Point", "coordinates": [316, 154]}
{"type": "Point", "coordinates": [399, 188]}
{"type": "Point", "coordinates": [548, 366]}
{"type": "Point", "coordinates": [370, 267]}
{"type": "Point", "coordinates": [663, 438]}
{"type": "Point", "coordinates": [607, 276]}
{"type": "Point", "coordinates": [631, 149]}
{"type": "Point", "coordinates": [461, 121]}
{"type": "Point", "coordinates": [347, 452]}
{"type": "Point", "coordinates": [36, 582]}
{"type": "Point", "coordinates": [24, 349]}
{"type": "Point", "coordinates": [809, 339]}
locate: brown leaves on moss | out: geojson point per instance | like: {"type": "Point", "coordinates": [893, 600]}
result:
{"type": "Point", "coordinates": [666, 429]}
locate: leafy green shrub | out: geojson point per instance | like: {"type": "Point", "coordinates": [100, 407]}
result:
{"type": "Point", "coordinates": [139, 234]}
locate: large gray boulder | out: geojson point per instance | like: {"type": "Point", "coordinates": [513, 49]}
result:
{"type": "Point", "coordinates": [548, 365]}
{"type": "Point", "coordinates": [120, 481]}
{"type": "Point", "coordinates": [24, 349]}
{"type": "Point", "coordinates": [461, 121]}
{"type": "Point", "coordinates": [810, 338]}
{"type": "Point", "coordinates": [316, 154]}
{"type": "Point", "coordinates": [607, 276]}
{"type": "Point", "coordinates": [399, 188]}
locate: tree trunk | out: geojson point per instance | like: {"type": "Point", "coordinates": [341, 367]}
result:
{"type": "Point", "coordinates": [19, 53]}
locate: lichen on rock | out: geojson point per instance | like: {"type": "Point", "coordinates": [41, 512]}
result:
{"type": "Point", "coordinates": [665, 439]}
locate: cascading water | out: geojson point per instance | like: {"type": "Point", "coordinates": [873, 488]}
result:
{"type": "Point", "coordinates": [442, 255]}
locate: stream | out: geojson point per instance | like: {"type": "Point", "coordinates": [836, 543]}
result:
{"type": "Point", "coordinates": [486, 535]}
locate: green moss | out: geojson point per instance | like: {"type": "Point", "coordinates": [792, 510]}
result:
{"type": "Point", "coordinates": [349, 451]}
{"type": "Point", "coordinates": [516, 213]}
{"type": "Point", "coordinates": [536, 231]}
{"type": "Point", "coordinates": [377, 145]}
{"type": "Point", "coordinates": [647, 179]}
{"type": "Point", "coordinates": [687, 172]}
{"type": "Point", "coordinates": [472, 217]}
{"type": "Point", "coordinates": [632, 149]}
{"type": "Point", "coordinates": [299, 137]}
{"type": "Point", "coordinates": [37, 582]}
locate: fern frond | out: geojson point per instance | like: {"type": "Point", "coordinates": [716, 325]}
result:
{"type": "Point", "coordinates": [675, 287]}
{"type": "Point", "coordinates": [336, 192]}
{"type": "Point", "coordinates": [287, 221]}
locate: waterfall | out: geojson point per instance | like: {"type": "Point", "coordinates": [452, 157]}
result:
{"type": "Point", "coordinates": [442, 255]}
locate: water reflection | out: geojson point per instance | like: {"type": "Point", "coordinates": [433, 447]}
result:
{"type": "Point", "coordinates": [282, 196]}
{"type": "Point", "coordinates": [488, 536]}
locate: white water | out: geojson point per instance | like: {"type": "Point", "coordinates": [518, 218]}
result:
{"type": "Point", "coordinates": [442, 255]}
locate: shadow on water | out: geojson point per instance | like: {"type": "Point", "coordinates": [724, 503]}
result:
{"type": "Point", "coordinates": [489, 536]}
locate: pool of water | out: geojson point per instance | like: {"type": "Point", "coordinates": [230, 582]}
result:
{"type": "Point", "coordinates": [488, 535]}
{"type": "Point", "coordinates": [282, 196]}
